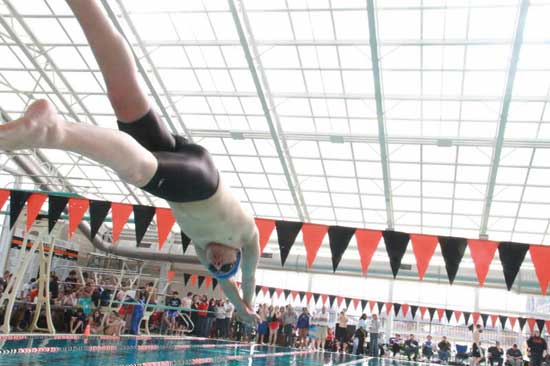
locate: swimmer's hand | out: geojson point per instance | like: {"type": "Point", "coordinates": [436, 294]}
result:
{"type": "Point", "coordinates": [248, 316]}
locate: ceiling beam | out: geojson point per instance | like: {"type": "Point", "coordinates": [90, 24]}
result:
{"type": "Point", "coordinates": [269, 108]}
{"type": "Point", "coordinates": [499, 141]}
{"type": "Point", "coordinates": [384, 154]}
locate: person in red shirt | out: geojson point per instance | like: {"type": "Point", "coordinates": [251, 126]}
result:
{"type": "Point", "coordinates": [203, 312]}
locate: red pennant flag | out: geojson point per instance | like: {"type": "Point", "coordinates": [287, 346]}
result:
{"type": "Point", "coordinates": [423, 248]}
{"type": "Point", "coordinates": [367, 242]}
{"type": "Point", "coordinates": [531, 323]}
{"type": "Point", "coordinates": [293, 294]}
{"type": "Point", "coordinates": [165, 221]}
{"type": "Point", "coordinates": [194, 279]}
{"type": "Point", "coordinates": [265, 290]}
{"type": "Point", "coordinates": [423, 310]}
{"type": "Point", "coordinates": [355, 303]}
{"type": "Point", "coordinates": [494, 319]}
{"type": "Point", "coordinates": [207, 282]}
{"type": "Point", "coordinates": [475, 317]}
{"type": "Point", "coordinates": [405, 309]}
{"type": "Point", "coordinates": [170, 275]}
{"type": "Point", "coordinates": [512, 321]}
{"type": "Point", "coordinates": [339, 300]}
{"type": "Point", "coordinates": [279, 292]}
{"type": "Point", "coordinates": [483, 252]}
{"type": "Point", "coordinates": [4, 195]}
{"type": "Point", "coordinates": [34, 204]}
{"type": "Point", "coordinates": [120, 212]}
{"type": "Point", "coordinates": [313, 235]}
{"type": "Point", "coordinates": [458, 314]}
{"type": "Point", "coordinates": [547, 322]}
{"type": "Point", "coordinates": [540, 256]}
{"type": "Point", "coordinates": [308, 297]}
{"type": "Point", "coordinates": [388, 307]}
{"type": "Point", "coordinates": [371, 306]}
{"type": "Point", "coordinates": [265, 228]}
{"type": "Point", "coordinates": [440, 313]}
{"type": "Point", "coordinates": [77, 209]}
{"type": "Point", "coordinates": [323, 299]}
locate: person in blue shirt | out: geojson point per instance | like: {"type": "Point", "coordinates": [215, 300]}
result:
{"type": "Point", "coordinates": [427, 348]}
{"type": "Point", "coordinates": [303, 326]}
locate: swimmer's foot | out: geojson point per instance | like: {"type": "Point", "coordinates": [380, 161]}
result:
{"type": "Point", "coordinates": [40, 127]}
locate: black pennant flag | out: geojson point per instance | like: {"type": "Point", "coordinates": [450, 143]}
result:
{"type": "Point", "coordinates": [301, 294]}
{"type": "Point", "coordinates": [184, 241]}
{"type": "Point", "coordinates": [540, 325]}
{"type": "Point", "coordinates": [364, 304]}
{"type": "Point", "coordinates": [431, 311]}
{"type": "Point", "coordinates": [448, 314]}
{"type": "Point", "coordinates": [467, 316]}
{"type": "Point", "coordinates": [521, 322]}
{"type": "Point", "coordinates": [17, 202]}
{"type": "Point", "coordinates": [396, 245]}
{"type": "Point", "coordinates": [512, 256]}
{"type": "Point", "coordinates": [379, 305]}
{"type": "Point", "coordinates": [286, 234]}
{"type": "Point", "coordinates": [214, 283]}
{"type": "Point", "coordinates": [339, 237]}
{"type": "Point", "coordinates": [200, 281]}
{"type": "Point", "coordinates": [186, 277]}
{"type": "Point", "coordinates": [396, 308]}
{"type": "Point", "coordinates": [286, 292]}
{"type": "Point", "coordinates": [271, 291]}
{"type": "Point", "coordinates": [347, 300]}
{"type": "Point", "coordinates": [56, 206]}
{"type": "Point", "coordinates": [143, 215]}
{"type": "Point", "coordinates": [257, 289]}
{"type": "Point", "coordinates": [452, 250]}
{"type": "Point", "coordinates": [484, 318]}
{"type": "Point", "coordinates": [98, 213]}
{"type": "Point", "coordinates": [331, 299]}
{"type": "Point", "coordinates": [503, 320]}
{"type": "Point", "coordinates": [414, 309]}
{"type": "Point", "coordinates": [316, 297]}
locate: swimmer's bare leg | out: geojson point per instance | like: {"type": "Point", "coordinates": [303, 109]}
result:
{"type": "Point", "coordinates": [115, 60]}
{"type": "Point", "coordinates": [42, 127]}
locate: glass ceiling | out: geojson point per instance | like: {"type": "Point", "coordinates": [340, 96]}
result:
{"type": "Point", "coordinates": [301, 121]}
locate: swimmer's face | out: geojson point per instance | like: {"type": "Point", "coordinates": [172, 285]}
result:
{"type": "Point", "coordinates": [219, 255]}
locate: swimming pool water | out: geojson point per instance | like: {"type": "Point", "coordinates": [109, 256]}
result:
{"type": "Point", "coordinates": [21, 350]}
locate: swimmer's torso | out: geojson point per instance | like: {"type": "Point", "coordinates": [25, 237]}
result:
{"type": "Point", "coordinates": [219, 219]}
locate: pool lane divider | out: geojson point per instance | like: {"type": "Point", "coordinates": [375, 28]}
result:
{"type": "Point", "coordinates": [114, 348]}
{"type": "Point", "coordinates": [219, 360]}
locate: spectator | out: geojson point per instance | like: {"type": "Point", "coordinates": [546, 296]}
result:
{"type": "Point", "coordinates": [114, 324]}
{"type": "Point", "coordinates": [536, 348]}
{"type": "Point", "coordinates": [321, 320]}
{"type": "Point", "coordinates": [4, 279]}
{"type": "Point", "coordinates": [187, 303]}
{"type": "Point", "coordinates": [171, 314]}
{"type": "Point", "coordinates": [71, 282]}
{"type": "Point", "coordinates": [427, 348]}
{"type": "Point", "coordinates": [203, 316]}
{"type": "Point", "coordinates": [342, 332]}
{"type": "Point", "coordinates": [53, 286]}
{"type": "Point", "coordinates": [514, 357]}
{"type": "Point", "coordinates": [360, 334]}
{"type": "Point", "coordinates": [229, 308]}
{"type": "Point", "coordinates": [495, 354]}
{"type": "Point", "coordinates": [374, 329]}
{"type": "Point", "coordinates": [411, 347]}
{"type": "Point", "coordinates": [444, 350]}
{"type": "Point", "coordinates": [78, 320]}
{"type": "Point", "coordinates": [476, 354]}
{"type": "Point", "coordinates": [289, 324]}
{"type": "Point", "coordinates": [303, 325]}
{"type": "Point", "coordinates": [195, 318]}
{"type": "Point", "coordinates": [273, 321]}
{"type": "Point", "coordinates": [395, 343]}
{"type": "Point", "coordinates": [261, 331]}
{"type": "Point", "coordinates": [95, 321]}
{"type": "Point", "coordinates": [27, 288]}
{"type": "Point", "coordinates": [210, 318]}
{"type": "Point", "coordinates": [220, 319]}
{"type": "Point", "coordinates": [151, 293]}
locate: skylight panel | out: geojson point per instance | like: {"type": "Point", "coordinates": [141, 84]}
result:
{"type": "Point", "coordinates": [270, 26]}
{"type": "Point", "coordinates": [406, 204]}
{"type": "Point", "coordinates": [468, 207]}
{"type": "Point", "coordinates": [437, 205]}
{"type": "Point", "coordinates": [438, 172]}
{"type": "Point", "coordinates": [529, 225]}
{"type": "Point", "coordinates": [405, 171]}
{"type": "Point", "coordinates": [277, 181]}
{"type": "Point", "coordinates": [402, 24]}
{"type": "Point", "coordinates": [531, 83]}
{"type": "Point", "coordinates": [178, 80]}
{"type": "Point", "coordinates": [323, 81]}
{"type": "Point", "coordinates": [351, 25]}
{"type": "Point", "coordinates": [155, 27]}
{"type": "Point", "coordinates": [266, 210]}
{"type": "Point", "coordinates": [298, 124]}
{"type": "Point", "coordinates": [285, 81]}
{"type": "Point", "coordinates": [243, 81]}
{"type": "Point", "coordinates": [279, 57]}
{"type": "Point", "coordinates": [477, 174]}
{"type": "Point", "coordinates": [342, 185]}
{"type": "Point", "coordinates": [219, 80]}
{"type": "Point", "coordinates": [223, 24]}
{"type": "Point", "coordinates": [478, 129]}
{"type": "Point", "coordinates": [369, 170]}
{"type": "Point", "coordinates": [358, 82]}
{"type": "Point", "coordinates": [342, 168]}
{"type": "Point", "coordinates": [272, 165]}
{"type": "Point", "coordinates": [321, 213]}
{"type": "Point", "coordinates": [501, 25]}
{"type": "Point", "coordinates": [447, 83]}
{"type": "Point", "coordinates": [440, 220]}
{"type": "Point", "coordinates": [507, 175]}
{"type": "Point", "coordinates": [490, 83]}
{"type": "Point", "coordinates": [355, 57]}
{"type": "Point", "coordinates": [437, 189]}
{"type": "Point", "coordinates": [319, 198]}
{"type": "Point", "coordinates": [536, 24]}
{"type": "Point", "coordinates": [533, 210]}
{"type": "Point", "coordinates": [308, 166]}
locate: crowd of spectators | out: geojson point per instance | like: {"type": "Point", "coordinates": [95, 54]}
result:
{"type": "Point", "coordinates": [79, 305]}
